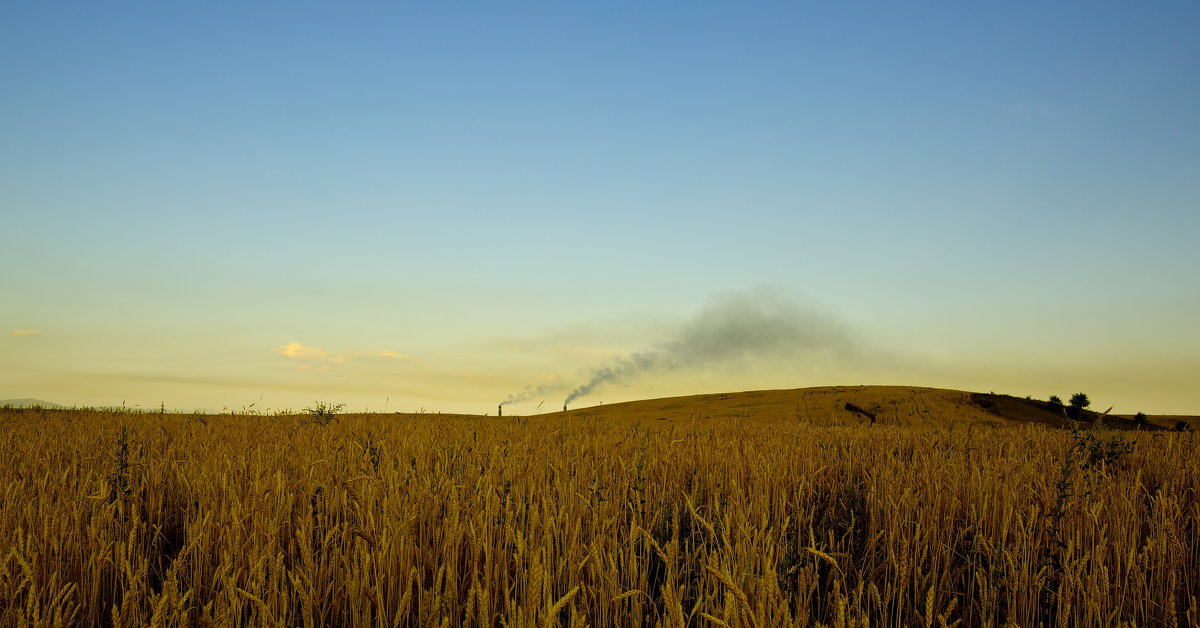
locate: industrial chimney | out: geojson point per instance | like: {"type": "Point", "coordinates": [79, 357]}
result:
{"type": "Point", "coordinates": [500, 410]}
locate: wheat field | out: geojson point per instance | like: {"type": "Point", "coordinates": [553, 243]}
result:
{"type": "Point", "coordinates": [134, 519]}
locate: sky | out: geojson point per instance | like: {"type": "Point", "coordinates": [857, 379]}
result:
{"type": "Point", "coordinates": [440, 206]}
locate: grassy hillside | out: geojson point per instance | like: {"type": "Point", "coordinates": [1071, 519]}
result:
{"type": "Point", "coordinates": [732, 510]}
{"type": "Point", "coordinates": [853, 405]}
{"type": "Point", "coordinates": [767, 508]}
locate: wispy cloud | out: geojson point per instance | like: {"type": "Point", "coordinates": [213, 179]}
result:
{"type": "Point", "coordinates": [297, 351]}
{"type": "Point", "coordinates": [25, 332]}
{"type": "Point", "coordinates": [387, 353]}
{"type": "Point", "coordinates": [314, 356]}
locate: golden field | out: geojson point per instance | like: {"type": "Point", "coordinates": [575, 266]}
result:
{"type": "Point", "coordinates": [775, 508]}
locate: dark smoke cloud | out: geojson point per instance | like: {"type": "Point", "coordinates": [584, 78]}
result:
{"type": "Point", "coordinates": [735, 329]}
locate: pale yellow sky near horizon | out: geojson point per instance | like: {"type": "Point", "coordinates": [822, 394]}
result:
{"type": "Point", "coordinates": [474, 379]}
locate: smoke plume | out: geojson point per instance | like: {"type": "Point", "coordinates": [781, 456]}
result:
{"type": "Point", "coordinates": [735, 329]}
{"type": "Point", "coordinates": [530, 392]}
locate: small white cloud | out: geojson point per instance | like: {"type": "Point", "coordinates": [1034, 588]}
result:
{"type": "Point", "coordinates": [388, 353]}
{"type": "Point", "coordinates": [318, 356]}
{"type": "Point", "coordinates": [24, 332]}
{"type": "Point", "coordinates": [297, 351]}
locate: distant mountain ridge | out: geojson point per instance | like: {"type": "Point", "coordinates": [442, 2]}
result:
{"type": "Point", "coordinates": [29, 403]}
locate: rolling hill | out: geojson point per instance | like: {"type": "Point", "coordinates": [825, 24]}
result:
{"type": "Point", "coordinates": [847, 405]}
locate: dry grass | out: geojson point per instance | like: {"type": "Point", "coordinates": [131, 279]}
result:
{"type": "Point", "coordinates": [434, 520]}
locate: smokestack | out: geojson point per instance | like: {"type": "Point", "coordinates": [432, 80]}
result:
{"type": "Point", "coordinates": [500, 410]}
{"type": "Point", "coordinates": [564, 407]}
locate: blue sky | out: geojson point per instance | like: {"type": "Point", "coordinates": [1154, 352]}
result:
{"type": "Point", "coordinates": [442, 204]}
